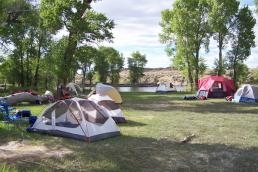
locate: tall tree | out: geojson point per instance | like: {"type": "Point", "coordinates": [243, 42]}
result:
{"type": "Point", "coordinates": [242, 40]}
{"type": "Point", "coordinates": [221, 18]}
{"type": "Point", "coordinates": [80, 21]}
{"type": "Point", "coordinates": [85, 57]}
{"type": "Point", "coordinates": [187, 25]}
{"type": "Point", "coordinates": [18, 20]}
{"type": "Point", "coordinates": [256, 3]}
{"type": "Point", "coordinates": [101, 66]}
{"type": "Point", "coordinates": [136, 64]}
{"type": "Point", "coordinates": [115, 63]}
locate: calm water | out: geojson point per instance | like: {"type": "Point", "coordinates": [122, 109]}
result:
{"type": "Point", "coordinates": [144, 89]}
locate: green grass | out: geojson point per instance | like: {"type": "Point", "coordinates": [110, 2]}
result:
{"type": "Point", "coordinates": [226, 139]}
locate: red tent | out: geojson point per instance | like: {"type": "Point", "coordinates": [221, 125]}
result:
{"type": "Point", "coordinates": [216, 86]}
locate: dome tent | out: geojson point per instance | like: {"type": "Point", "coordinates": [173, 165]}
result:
{"type": "Point", "coordinates": [104, 89]}
{"type": "Point", "coordinates": [215, 86]}
{"type": "Point", "coordinates": [165, 88]}
{"type": "Point", "coordinates": [76, 118]}
{"type": "Point", "coordinates": [246, 93]}
{"type": "Point", "coordinates": [74, 89]}
{"type": "Point", "coordinates": [110, 106]}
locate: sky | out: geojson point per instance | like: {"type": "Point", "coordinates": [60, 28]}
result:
{"type": "Point", "coordinates": [137, 29]}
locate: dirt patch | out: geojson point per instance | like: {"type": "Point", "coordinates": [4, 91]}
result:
{"type": "Point", "coordinates": [18, 150]}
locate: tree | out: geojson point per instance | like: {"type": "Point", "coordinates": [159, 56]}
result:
{"type": "Point", "coordinates": [53, 63]}
{"type": "Point", "coordinates": [221, 18]}
{"type": "Point", "coordinates": [241, 75]}
{"type": "Point", "coordinates": [186, 25]}
{"type": "Point", "coordinates": [217, 67]}
{"type": "Point", "coordinates": [8, 71]}
{"type": "Point", "coordinates": [21, 30]}
{"type": "Point", "coordinates": [136, 64]}
{"type": "Point", "coordinates": [18, 20]}
{"type": "Point", "coordinates": [85, 57]}
{"type": "Point", "coordinates": [255, 76]}
{"type": "Point", "coordinates": [83, 25]}
{"type": "Point", "coordinates": [101, 66]}
{"type": "Point", "coordinates": [243, 38]}
{"type": "Point", "coordinates": [115, 63]}
{"type": "Point", "coordinates": [256, 3]}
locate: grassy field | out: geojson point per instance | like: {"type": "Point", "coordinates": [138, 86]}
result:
{"type": "Point", "coordinates": [226, 139]}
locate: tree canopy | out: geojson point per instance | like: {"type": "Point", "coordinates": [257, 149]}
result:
{"type": "Point", "coordinates": [136, 64]}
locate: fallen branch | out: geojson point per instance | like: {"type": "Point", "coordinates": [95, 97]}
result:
{"type": "Point", "coordinates": [187, 138]}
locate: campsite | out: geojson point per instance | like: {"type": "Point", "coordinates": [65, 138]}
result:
{"type": "Point", "coordinates": [128, 86]}
{"type": "Point", "coordinates": [226, 135]}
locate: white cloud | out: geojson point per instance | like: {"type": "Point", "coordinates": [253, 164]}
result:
{"type": "Point", "coordinates": [137, 29]}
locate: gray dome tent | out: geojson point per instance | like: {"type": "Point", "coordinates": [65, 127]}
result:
{"type": "Point", "coordinates": [76, 118]}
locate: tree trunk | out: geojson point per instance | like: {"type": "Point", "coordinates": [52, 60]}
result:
{"type": "Point", "coordinates": [220, 70]}
{"type": "Point", "coordinates": [36, 75]}
{"type": "Point", "coordinates": [196, 68]}
{"type": "Point", "coordinates": [235, 72]}
{"type": "Point", "coordinates": [21, 69]}
{"type": "Point", "coordinates": [68, 57]}
{"type": "Point", "coordinates": [190, 74]}
{"type": "Point", "coordinates": [83, 80]}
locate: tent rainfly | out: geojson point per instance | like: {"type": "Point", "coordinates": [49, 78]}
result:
{"type": "Point", "coordinates": [165, 88]}
{"type": "Point", "coordinates": [16, 98]}
{"type": "Point", "coordinates": [109, 106]}
{"type": "Point", "coordinates": [73, 88]}
{"type": "Point", "coordinates": [103, 89]}
{"type": "Point", "coordinates": [76, 118]}
{"type": "Point", "coordinates": [247, 94]}
{"type": "Point", "coordinates": [215, 86]}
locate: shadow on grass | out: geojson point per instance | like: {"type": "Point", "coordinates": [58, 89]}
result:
{"type": "Point", "coordinates": [11, 131]}
{"type": "Point", "coordinates": [131, 123]}
{"type": "Point", "coordinates": [176, 103]}
{"type": "Point", "coordinates": [126, 153]}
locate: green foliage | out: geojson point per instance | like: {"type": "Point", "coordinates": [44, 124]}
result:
{"type": "Point", "coordinates": [115, 63]}
{"type": "Point", "coordinates": [19, 29]}
{"type": "Point", "coordinates": [242, 40]}
{"type": "Point", "coordinates": [5, 168]}
{"type": "Point", "coordinates": [186, 25]}
{"type": "Point", "coordinates": [218, 67]}
{"type": "Point", "coordinates": [136, 64]}
{"type": "Point", "coordinates": [85, 56]}
{"type": "Point", "coordinates": [221, 19]}
{"type": "Point", "coordinates": [22, 29]}
{"type": "Point", "coordinates": [241, 75]}
{"type": "Point", "coordinates": [226, 139]}
{"type": "Point", "coordinates": [101, 66]}
{"type": "Point", "coordinates": [82, 24]}
{"type": "Point", "coordinates": [255, 76]}
{"type": "Point", "coordinates": [109, 63]}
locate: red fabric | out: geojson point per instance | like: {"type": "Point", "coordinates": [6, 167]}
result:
{"type": "Point", "coordinates": [207, 82]}
{"type": "Point", "coordinates": [229, 98]}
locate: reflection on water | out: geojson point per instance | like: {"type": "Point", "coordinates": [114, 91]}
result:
{"type": "Point", "coordinates": [144, 89]}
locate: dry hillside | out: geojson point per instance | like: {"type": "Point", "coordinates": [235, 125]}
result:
{"type": "Point", "coordinates": [154, 75]}
{"type": "Point", "coordinates": [151, 76]}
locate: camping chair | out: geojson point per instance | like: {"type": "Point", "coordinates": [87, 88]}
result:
{"type": "Point", "coordinates": [202, 94]}
{"type": "Point", "coordinates": [10, 114]}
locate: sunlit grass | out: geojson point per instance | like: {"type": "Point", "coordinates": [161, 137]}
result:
{"type": "Point", "coordinates": [226, 137]}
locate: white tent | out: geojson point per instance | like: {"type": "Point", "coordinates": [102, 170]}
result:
{"type": "Point", "coordinates": [109, 106]}
{"type": "Point", "coordinates": [165, 88]}
{"type": "Point", "coordinates": [246, 93]}
{"type": "Point", "coordinates": [74, 88]}
{"type": "Point", "coordinates": [76, 118]}
{"type": "Point", "coordinates": [103, 89]}
{"type": "Point", "coordinates": [24, 97]}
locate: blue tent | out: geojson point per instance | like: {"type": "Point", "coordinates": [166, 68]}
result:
{"type": "Point", "coordinates": [246, 93]}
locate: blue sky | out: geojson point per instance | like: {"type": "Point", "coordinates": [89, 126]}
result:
{"type": "Point", "coordinates": [137, 29]}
